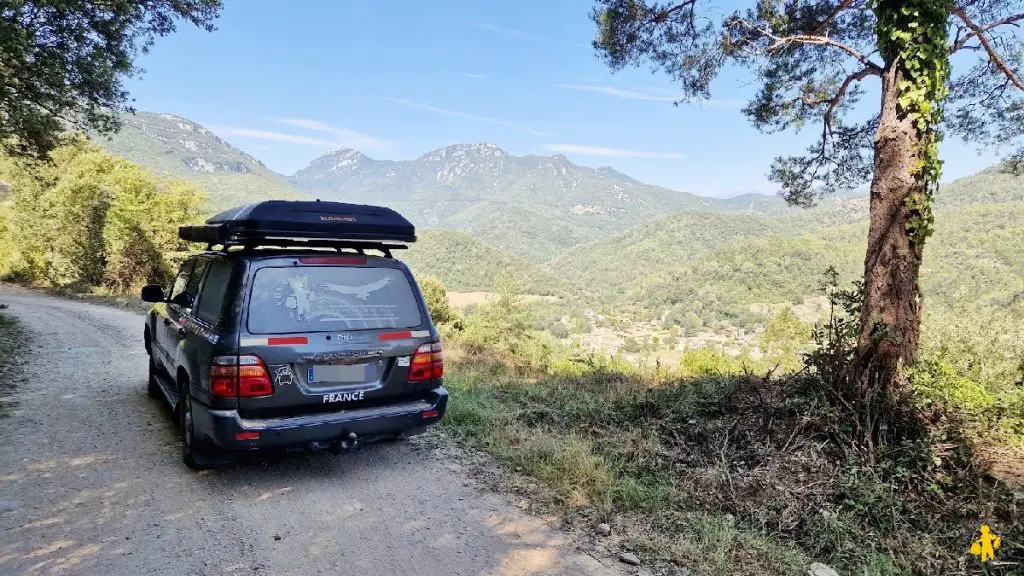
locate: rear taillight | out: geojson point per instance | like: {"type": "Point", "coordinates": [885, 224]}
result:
{"type": "Point", "coordinates": [241, 376]}
{"type": "Point", "coordinates": [427, 363]}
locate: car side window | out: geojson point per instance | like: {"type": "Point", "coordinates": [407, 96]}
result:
{"type": "Point", "coordinates": [211, 301]}
{"type": "Point", "coordinates": [181, 281]}
{"type": "Point", "coordinates": [192, 287]}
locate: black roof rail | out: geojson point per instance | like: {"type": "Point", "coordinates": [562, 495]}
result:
{"type": "Point", "coordinates": [300, 243]}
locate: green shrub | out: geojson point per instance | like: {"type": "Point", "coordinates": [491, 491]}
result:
{"type": "Point", "coordinates": [437, 299]}
{"type": "Point", "coordinates": [88, 219]}
{"type": "Point", "coordinates": [698, 362]}
{"type": "Point", "coordinates": [972, 363]}
{"type": "Point", "coordinates": [784, 337]}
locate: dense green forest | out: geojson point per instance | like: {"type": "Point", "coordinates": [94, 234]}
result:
{"type": "Point", "coordinates": [466, 263]}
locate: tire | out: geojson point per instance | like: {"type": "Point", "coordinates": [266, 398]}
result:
{"type": "Point", "coordinates": [152, 387]}
{"type": "Point", "coordinates": [192, 451]}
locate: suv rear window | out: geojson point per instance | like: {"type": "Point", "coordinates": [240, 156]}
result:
{"type": "Point", "coordinates": [325, 298]}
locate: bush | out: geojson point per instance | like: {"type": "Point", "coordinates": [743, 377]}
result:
{"type": "Point", "coordinates": [558, 330]}
{"type": "Point", "coordinates": [699, 362]}
{"type": "Point", "coordinates": [785, 336]}
{"type": "Point", "coordinates": [972, 363]}
{"type": "Point", "coordinates": [88, 219]}
{"type": "Point", "coordinates": [437, 299]}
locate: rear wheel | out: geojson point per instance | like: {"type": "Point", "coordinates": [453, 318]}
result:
{"type": "Point", "coordinates": [192, 452]}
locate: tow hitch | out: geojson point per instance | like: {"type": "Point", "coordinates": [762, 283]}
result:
{"type": "Point", "coordinates": [351, 443]}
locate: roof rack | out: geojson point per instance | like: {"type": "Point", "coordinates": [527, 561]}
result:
{"type": "Point", "coordinates": [301, 244]}
{"type": "Point", "coordinates": [304, 224]}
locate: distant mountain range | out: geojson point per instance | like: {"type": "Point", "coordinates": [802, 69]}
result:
{"type": "Point", "coordinates": [597, 237]}
{"type": "Point", "coordinates": [531, 205]}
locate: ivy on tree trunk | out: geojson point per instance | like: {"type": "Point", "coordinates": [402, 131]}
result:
{"type": "Point", "coordinates": [913, 41]}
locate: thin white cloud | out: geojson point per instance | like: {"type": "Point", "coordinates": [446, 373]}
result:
{"type": "Point", "coordinates": [654, 96]}
{"type": "Point", "coordinates": [525, 34]}
{"type": "Point", "coordinates": [617, 92]}
{"type": "Point", "coordinates": [458, 114]}
{"type": "Point", "coordinates": [610, 152]}
{"type": "Point", "coordinates": [503, 30]}
{"type": "Point", "coordinates": [473, 76]}
{"type": "Point", "coordinates": [343, 136]}
{"type": "Point", "coordinates": [270, 135]}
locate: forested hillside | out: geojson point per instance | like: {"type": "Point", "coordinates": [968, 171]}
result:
{"type": "Point", "coordinates": [175, 147]}
{"type": "Point", "coordinates": [466, 263]}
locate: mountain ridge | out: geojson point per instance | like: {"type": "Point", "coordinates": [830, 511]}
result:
{"type": "Point", "coordinates": [176, 147]}
{"type": "Point", "coordinates": [535, 206]}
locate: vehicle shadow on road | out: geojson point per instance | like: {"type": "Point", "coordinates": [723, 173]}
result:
{"type": "Point", "coordinates": [396, 506]}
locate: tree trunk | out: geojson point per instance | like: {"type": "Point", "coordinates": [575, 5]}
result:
{"type": "Point", "coordinates": [891, 315]}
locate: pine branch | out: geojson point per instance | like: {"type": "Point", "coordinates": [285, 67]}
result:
{"type": "Point", "coordinates": [977, 30]}
{"type": "Point", "coordinates": [780, 42]}
{"type": "Point", "coordinates": [843, 6]}
{"type": "Point", "coordinates": [980, 33]}
{"type": "Point", "coordinates": [664, 14]}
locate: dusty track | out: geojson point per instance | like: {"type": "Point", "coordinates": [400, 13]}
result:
{"type": "Point", "coordinates": [91, 482]}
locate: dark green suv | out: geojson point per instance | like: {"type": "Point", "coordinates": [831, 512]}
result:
{"type": "Point", "coordinates": [288, 332]}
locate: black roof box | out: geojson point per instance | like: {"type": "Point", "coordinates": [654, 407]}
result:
{"type": "Point", "coordinates": [306, 220]}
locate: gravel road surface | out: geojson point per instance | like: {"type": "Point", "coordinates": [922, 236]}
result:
{"type": "Point", "coordinates": [91, 482]}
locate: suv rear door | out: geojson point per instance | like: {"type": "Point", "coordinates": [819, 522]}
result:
{"type": "Point", "coordinates": [180, 307]}
{"type": "Point", "coordinates": [165, 330]}
{"type": "Point", "coordinates": [334, 333]}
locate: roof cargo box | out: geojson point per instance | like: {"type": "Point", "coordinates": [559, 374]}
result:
{"type": "Point", "coordinates": [274, 220]}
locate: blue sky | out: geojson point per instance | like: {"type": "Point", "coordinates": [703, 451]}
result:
{"type": "Point", "coordinates": [289, 82]}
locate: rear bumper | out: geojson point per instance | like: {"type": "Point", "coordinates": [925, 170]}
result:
{"type": "Point", "coordinates": [222, 427]}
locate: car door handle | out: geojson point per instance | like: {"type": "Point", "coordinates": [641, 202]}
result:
{"type": "Point", "coordinates": [167, 321]}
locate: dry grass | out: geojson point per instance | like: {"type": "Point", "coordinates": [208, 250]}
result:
{"type": "Point", "coordinates": [733, 475]}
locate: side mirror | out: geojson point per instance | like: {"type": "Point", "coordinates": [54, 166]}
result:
{"type": "Point", "coordinates": [153, 293]}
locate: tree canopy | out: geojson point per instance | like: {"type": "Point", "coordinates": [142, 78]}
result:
{"type": "Point", "coordinates": [810, 58]}
{"type": "Point", "coordinates": [64, 62]}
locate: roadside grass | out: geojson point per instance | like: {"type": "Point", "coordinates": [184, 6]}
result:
{"type": "Point", "coordinates": [727, 475]}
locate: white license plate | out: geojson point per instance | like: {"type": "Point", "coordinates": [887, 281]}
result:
{"type": "Point", "coordinates": [339, 373]}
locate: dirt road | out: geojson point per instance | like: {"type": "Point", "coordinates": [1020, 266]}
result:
{"type": "Point", "coordinates": [91, 482]}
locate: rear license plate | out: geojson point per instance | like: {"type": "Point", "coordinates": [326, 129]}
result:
{"type": "Point", "coordinates": [345, 373]}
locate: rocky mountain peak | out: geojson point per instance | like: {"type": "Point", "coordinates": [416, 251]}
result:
{"type": "Point", "coordinates": [483, 150]}
{"type": "Point", "coordinates": [344, 160]}
{"type": "Point", "coordinates": [612, 173]}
